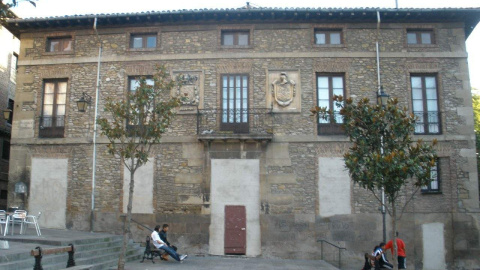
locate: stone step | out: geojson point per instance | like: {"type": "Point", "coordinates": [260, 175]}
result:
{"type": "Point", "coordinates": [86, 253]}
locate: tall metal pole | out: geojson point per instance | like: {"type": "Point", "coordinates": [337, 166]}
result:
{"type": "Point", "coordinates": [94, 159]}
{"type": "Point", "coordinates": [384, 227]}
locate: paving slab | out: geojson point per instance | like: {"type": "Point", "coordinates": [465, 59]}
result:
{"type": "Point", "coordinates": [230, 263]}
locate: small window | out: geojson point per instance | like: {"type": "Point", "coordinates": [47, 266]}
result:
{"type": "Point", "coordinates": [138, 41]}
{"type": "Point", "coordinates": [59, 44]}
{"type": "Point", "coordinates": [235, 38]}
{"type": "Point", "coordinates": [434, 185]}
{"type": "Point", "coordinates": [328, 37]}
{"type": "Point", "coordinates": [6, 150]}
{"type": "Point", "coordinates": [423, 37]}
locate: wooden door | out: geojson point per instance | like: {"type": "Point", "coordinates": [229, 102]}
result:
{"type": "Point", "coordinates": [234, 115]}
{"type": "Point", "coordinates": [235, 229]}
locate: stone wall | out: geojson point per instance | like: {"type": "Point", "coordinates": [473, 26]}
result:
{"type": "Point", "coordinates": [290, 215]}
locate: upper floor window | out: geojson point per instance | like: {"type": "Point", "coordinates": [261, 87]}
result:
{"type": "Point", "coordinates": [133, 84]}
{"type": "Point", "coordinates": [434, 185]}
{"type": "Point", "coordinates": [235, 37]}
{"type": "Point", "coordinates": [52, 121]}
{"type": "Point", "coordinates": [329, 85]}
{"type": "Point", "coordinates": [328, 36]}
{"type": "Point", "coordinates": [138, 41]}
{"type": "Point", "coordinates": [425, 104]}
{"type": "Point", "coordinates": [6, 150]}
{"type": "Point", "coordinates": [13, 66]}
{"type": "Point", "coordinates": [420, 37]}
{"type": "Point", "coordinates": [235, 103]}
{"type": "Point", "coordinates": [10, 106]}
{"type": "Point", "coordinates": [59, 44]}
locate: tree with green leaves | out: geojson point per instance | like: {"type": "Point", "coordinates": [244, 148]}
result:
{"type": "Point", "coordinates": [7, 5]}
{"type": "Point", "coordinates": [383, 154]}
{"type": "Point", "coordinates": [134, 124]}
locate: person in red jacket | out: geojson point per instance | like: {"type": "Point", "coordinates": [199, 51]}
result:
{"type": "Point", "coordinates": [402, 260]}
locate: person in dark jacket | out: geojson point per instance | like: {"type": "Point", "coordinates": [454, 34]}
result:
{"type": "Point", "coordinates": [163, 236]}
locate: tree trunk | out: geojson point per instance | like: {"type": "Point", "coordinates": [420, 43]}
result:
{"type": "Point", "coordinates": [394, 237]}
{"type": "Point", "coordinates": [128, 219]}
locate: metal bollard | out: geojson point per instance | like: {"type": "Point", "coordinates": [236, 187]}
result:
{"type": "Point", "coordinates": [38, 260]}
{"type": "Point", "coordinates": [71, 261]}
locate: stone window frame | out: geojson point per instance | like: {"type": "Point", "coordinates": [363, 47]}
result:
{"type": "Point", "coordinates": [435, 174]}
{"type": "Point", "coordinates": [439, 99]}
{"type": "Point", "coordinates": [59, 35]}
{"type": "Point", "coordinates": [67, 106]}
{"type": "Point", "coordinates": [335, 127]}
{"type": "Point", "coordinates": [419, 28]}
{"type": "Point", "coordinates": [143, 31]}
{"type": "Point", "coordinates": [329, 28]}
{"type": "Point", "coordinates": [244, 28]}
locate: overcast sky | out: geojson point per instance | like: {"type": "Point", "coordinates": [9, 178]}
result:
{"type": "Point", "coordinates": [47, 8]}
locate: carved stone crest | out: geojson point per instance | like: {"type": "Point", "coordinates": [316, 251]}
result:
{"type": "Point", "coordinates": [283, 90]}
{"type": "Point", "coordinates": [188, 89]}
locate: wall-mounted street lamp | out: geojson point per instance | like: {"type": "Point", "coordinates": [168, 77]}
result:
{"type": "Point", "coordinates": [6, 114]}
{"type": "Point", "coordinates": [83, 102]}
{"type": "Point", "coordinates": [382, 97]}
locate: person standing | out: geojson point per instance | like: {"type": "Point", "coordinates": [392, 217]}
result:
{"type": "Point", "coordinates": [158, 243]}
{"type": "Point", "coordinates": [402, 256]}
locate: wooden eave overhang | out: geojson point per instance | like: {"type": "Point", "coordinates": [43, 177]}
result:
{"type": "Point", "coordinates": [469, 16]}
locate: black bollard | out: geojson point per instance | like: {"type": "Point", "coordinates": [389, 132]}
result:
{"type": "Point", "coordinates": [38, 260]}
{"type": "Point", "coordinates": [71, 261]}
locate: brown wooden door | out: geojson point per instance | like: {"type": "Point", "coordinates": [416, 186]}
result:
{"type": "Point", "coordinates": [235, 229]}
{"type": "Point", "coordinates": [234, 115]}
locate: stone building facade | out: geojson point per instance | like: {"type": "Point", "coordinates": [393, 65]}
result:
{"type": "Point", "coordinates": [244, 147]}
{"type": "Point", "coordinates": [8, 69]}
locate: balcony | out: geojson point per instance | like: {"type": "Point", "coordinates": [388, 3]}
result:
{"type": "Point", "coordinates": [52, 127]}
{"type": "Point", "coordinates": [237, 124]}
{"type": "Point", "coordinates": [428, 123]}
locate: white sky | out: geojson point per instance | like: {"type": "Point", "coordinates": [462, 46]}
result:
{"type": "Point", "coordinates": [47, 8]}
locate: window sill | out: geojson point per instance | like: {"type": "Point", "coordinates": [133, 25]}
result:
{"type": "Point", "coordinates": [426, 192]}
{"type": "Point", "coordinates": [142, 49]}
{"type": "Point", "coordinates": [236, 47]}
{"type": "Point", "coordinates": [59, 53]}
{"type": "Point", "coordinates": [320, 46]}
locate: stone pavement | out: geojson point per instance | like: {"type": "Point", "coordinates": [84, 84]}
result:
{"type": "Point", "coordinates": [230, 263]}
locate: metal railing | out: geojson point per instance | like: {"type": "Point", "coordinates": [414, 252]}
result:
{"type": "Point", "coordinates": [332, 126]}
{"type": "Point", "coordinates": [234, 121]}
{"type": "Point", "coordinates": [51, 126]}
{"type": "Point", "coordinates": [141, 225]}
{"type": "Point", "coordinates": [428, 123]}
{"type": "Point", "coordinates": [339, 251]}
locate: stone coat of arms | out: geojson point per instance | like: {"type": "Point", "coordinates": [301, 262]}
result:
{"type": "Point", "coordinates": [188, 89]}
{"type": "Point", "coordinates": [283, 90]}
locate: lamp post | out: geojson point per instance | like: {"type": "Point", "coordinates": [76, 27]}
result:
{"type": "Point", "coordinates": [382, 100]}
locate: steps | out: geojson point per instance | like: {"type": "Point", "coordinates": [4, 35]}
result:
{"type": "Point", "coordinates": [94, 253]}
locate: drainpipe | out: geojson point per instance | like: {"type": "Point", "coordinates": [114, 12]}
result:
{"type": "Point", "coordinates": [384, 227]}
{"type": "Point", "coordinates": [94, 159]}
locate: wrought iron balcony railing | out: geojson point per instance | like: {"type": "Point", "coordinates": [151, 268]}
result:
{"type": "Point", "coordinates": [52, 127]}
{"type": "Point", "coordinates": [332, 126]}
{"type": "Point", "coordinates": [235, 122]}
{"type": "Point", "coordinates": [428, 123]}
